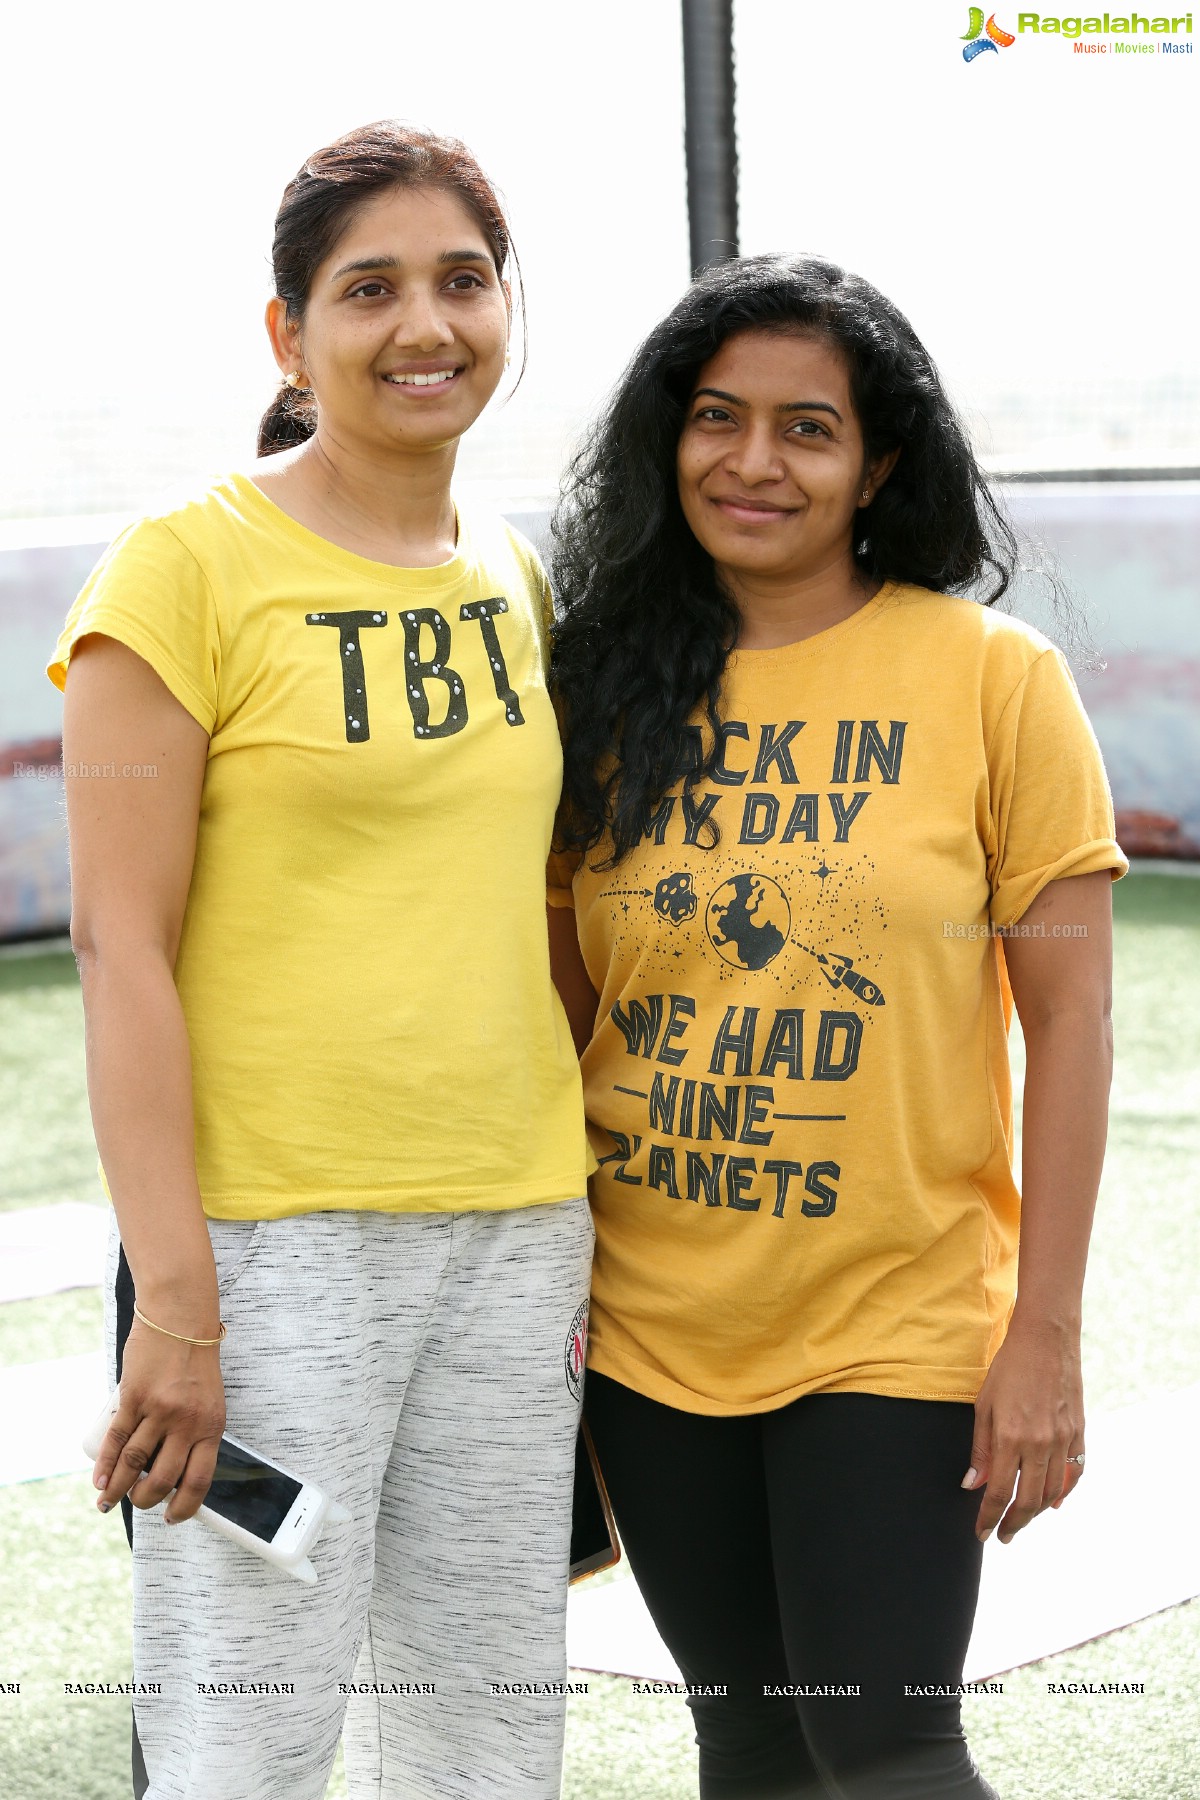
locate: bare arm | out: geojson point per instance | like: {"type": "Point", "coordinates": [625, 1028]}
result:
{"type": "Point", "coordinates": [1029, 1414]}
{"type": "Point", "coordinates": [580, 999]}
{"type": "Point", "coordinates": [132, 846]}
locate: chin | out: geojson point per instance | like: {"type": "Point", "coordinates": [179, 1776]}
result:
{"type": "Point", "coordinates": [426, 434]}
{"type": "Point", "coordinates": [741, 560]}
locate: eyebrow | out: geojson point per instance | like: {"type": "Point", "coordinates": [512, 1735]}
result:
{"type": "Point", "coordinates": [368, 264]}
{"type": "Point", "coordinates": [786, 407]}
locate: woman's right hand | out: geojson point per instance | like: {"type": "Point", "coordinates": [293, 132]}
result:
{"type": "Point", "coordinates": [166, 1431]}
{"type": "Point", "coordinates": [133, 848]}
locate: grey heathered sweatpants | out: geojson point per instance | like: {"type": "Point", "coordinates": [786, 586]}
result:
{"type": "Point", "coordinates": [413, 1365]}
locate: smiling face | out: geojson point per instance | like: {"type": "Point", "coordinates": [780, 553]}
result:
{"type": "Point", "coordinates": [405, 332]}
{"type": "Point", "coordinates": [771, 462]}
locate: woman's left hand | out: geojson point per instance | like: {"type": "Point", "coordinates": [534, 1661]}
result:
{"type": "Point", "coordinates": [1028, 1422]}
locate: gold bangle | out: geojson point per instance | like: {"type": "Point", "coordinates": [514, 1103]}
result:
{"type": "Point", "coordinates": [205, 1343]}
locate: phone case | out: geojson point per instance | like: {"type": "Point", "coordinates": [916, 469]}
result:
{"type": "Point", "coordinates": [594, 1541]}
{"type": "Point", "coordinates": [295, 1562]}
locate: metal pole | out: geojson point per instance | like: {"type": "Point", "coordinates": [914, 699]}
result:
{"type": "Point", "coordinates": [710, 140]}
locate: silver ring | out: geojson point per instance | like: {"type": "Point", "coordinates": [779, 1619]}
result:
{"type": "Point", "coordinates": [1076, 1459]}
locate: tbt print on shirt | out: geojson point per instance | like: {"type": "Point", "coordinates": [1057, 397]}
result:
{"type": "Point", "coordinates": [363, 955]}
{"type": "Point", "coordinates": [794, 946]}
{"type": "Point", "coordinates": [425, 662]}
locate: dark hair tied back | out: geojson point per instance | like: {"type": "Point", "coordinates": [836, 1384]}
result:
{"type": "Point", "coordinates": [289, 420]}
{"type": "Point", "coordinates": [319, 205]}
{"type": "Point", "coordinates": [644, 625]}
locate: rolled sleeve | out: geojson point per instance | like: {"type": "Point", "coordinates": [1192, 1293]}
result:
{"type": "Point", "coordinates": [1050, 805]}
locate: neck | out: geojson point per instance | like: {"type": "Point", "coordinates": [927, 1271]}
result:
{"type": "Point", "coordinates": [786, 609]}
{"type": "Point", "coordinates": [394, 509]}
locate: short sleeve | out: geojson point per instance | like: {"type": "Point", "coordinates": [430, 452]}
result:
{"type": "Point", "coordinates": [1050, 808]}
{"type": "Point", "coordinates": [540, 590]}
{"type": "Point", "coordinates": [561, 865]}
{"type": "Point", "coordinates": [149, 592]}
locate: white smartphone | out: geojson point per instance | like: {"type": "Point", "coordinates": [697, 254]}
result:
{"type": "Point", "coordinates": [254, 1501]}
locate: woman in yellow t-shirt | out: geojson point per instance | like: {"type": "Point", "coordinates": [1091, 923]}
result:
{"type": "Point", "coordinates": [334, 1092]}
{"type": "Point", "coordinates": [820, 810]}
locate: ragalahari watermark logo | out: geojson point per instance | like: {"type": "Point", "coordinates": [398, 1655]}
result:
{"type": "Point", "coordinates": [1100, 34]}
{"type": "Point", "coordinates": [979, 37]}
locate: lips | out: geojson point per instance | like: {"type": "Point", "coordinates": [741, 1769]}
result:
{"type": "Point", "coordinates": [421, 380]}
{"type": "Point", "coordinates": [747, 511]}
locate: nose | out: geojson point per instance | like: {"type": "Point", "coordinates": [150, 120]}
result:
{"type": "Point", "coordinates": [754, 456]}
{"type": "Point", "coordinates": [422, 324]}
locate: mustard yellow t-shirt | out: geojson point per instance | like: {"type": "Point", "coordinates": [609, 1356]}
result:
{"type": "Point", "coordinates": [363, 967]}
{"type": "Point", "coordinates": [798, 1088]}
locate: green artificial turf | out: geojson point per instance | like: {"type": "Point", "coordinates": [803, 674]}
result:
{"type": "Point", "coordinates": [47, 1151]}
{"type": "Point", "coordinates": [51, 1325]}
{"type": "Point", "coordinates": [64, 1609]}
{"type": "Point", "coordinates": [1142, 1311]}
{"type": "Point", "coordinates": [1033, 1745]}
{"type": "Point", "coordinates": [64, 1616]}
{"type": "Point", "coordinates": [64, 1572]}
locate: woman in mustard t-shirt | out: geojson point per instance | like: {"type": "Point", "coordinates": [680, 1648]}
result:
{"type": "Point", "coordinates": [334, 1093]}
{"type": "Point", "coordinates": [807, 784]}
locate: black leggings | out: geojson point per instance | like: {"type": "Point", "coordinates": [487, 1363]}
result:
{"type": "Point", "coordinates": [824, 1544]}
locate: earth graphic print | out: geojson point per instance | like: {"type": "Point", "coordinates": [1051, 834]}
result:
{"type": "Point", "coordinates": [748, 921]}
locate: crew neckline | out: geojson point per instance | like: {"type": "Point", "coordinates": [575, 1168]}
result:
{"type": "Point", "coordinates": [436, 575]}
{"type": "Point", "coordinates": [820, 640]}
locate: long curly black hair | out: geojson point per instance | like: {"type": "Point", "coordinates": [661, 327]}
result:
{"type": "Point", "coordinates": [644, 625]}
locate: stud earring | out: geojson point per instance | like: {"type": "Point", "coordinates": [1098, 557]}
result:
{"type": "Point", "coordinates": [866, 494]}
{"type": "Point", "coordinates": [294, 378]}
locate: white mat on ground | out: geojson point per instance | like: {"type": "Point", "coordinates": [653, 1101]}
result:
{"type": "Point", "coordinates": [46, 1408]}
{"type": "Point", "coordinates": [44, 1249]}
{"type": "Point", "coordinates": [1124, 1546]}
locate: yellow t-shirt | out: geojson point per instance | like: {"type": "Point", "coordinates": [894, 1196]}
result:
{"type": "Point", "coordinates": [364, 967]}
{"type": "Point", "coordinates": [798, 1088]}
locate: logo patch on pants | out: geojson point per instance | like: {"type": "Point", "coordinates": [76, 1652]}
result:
{"type": "Point", "coordinates": [575, 1352]}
